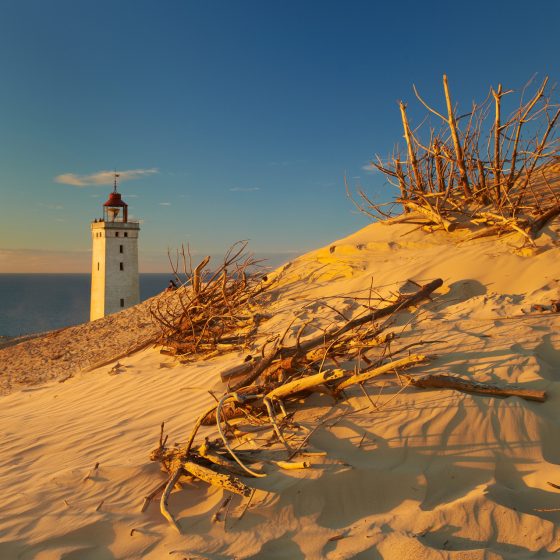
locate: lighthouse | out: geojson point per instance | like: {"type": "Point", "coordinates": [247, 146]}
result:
{"type": "Point", "coordinates": [114, 271]}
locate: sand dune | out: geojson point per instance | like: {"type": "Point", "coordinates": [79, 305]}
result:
{"type": "Point", "coordinates": [426, 474]}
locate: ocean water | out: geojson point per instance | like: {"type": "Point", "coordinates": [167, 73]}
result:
{"type": "Point", "coordinates": [31, 303]}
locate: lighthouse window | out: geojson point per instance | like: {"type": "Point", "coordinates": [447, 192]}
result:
{"type": "Point", "coordinates": [126, 233]}
{"type": "Point", "coordinates": [122, 266]}
{"type": "Point", "coordinates": [121, 248]}
{"type": "Point", "coordinates": [117, 234]}
{"type": "Point", "coordinates": [97, 266]}
{"type": "Point", "coordinates": [122, 302]}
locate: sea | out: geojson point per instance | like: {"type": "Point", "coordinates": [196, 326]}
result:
{"type": "Point", "coordinates": [33, 303]}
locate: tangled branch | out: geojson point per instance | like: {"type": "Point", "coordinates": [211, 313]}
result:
{"type": "Point", "coordinates": [210, 310]}
{"type": "Point", "coordinates": [476, 169]}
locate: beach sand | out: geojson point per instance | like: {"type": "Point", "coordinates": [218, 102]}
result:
{"type": "Point", "coordinates": [434, 474]}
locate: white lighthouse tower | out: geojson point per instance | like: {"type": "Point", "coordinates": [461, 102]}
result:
{"type": "Point", "coordinates": [114, 271]}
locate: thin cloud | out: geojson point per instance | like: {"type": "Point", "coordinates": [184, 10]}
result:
{"type": "Point", "coordinates": [245, 189]}
{"type": "Point", "coordinates": [102, 177]}
{"type": "Point", "coordinates": [370, 168]}
{"type": "Point", "coordinates": [165, 203]}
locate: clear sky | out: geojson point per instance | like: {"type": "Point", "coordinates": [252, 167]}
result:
{"type": "Point", "coordinates": [234, 119]}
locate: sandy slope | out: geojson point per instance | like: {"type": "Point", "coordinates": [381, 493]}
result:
{"type": "Point", "coordinates": [62, 353]}
{"type": "Point", "coordinates": [429, 474]}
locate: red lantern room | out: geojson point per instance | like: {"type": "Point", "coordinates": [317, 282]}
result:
{"type": "Point", "coordinates": [115, 209]}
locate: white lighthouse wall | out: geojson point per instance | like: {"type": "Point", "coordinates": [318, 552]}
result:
{"type": "Point", "coordinates": [112, 283]}
{"type": "Point", "coordinates": [97, 306]}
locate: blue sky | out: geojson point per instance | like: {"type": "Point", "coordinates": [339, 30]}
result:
{"type": "Point", "coordinates": [243, 115]}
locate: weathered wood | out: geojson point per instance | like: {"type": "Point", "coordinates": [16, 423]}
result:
{"type": "Point", "coordinates": [521, 120]}
{"type": "Point", "coordinates": [229, 411]}
{"type": "Point", "coordinates": [385, 368]}
{"type": "Point", "coordinates": [279, 371]}
{"type": "Point", "coordinates": [486, 232]}
{"type": "Point", "coordinates": [497, 141]}
{"type": "Point", "coordinates": [439, 169]}
{"type": "Point", "coordinates": [197, 274]}
{"type": "Point", "coordinates": [459, 156]}
{"type": "Point", "coordinates": [411, 217]}
{"type": "Point", "coordinates": [257, 369]}
{"type": "Point", "coordinates": [235, 457]}
{"type": "Point", "coordinates": [305, 383]}
{"type": "Point", "coordinates": [165, 496]}
{"type": "Point", "coordinates": [276, 427]}
{"type": "Point", "coordinates": [288, 465]}
{"type": "Point", "coordinates": [540, 222]}
{"type": "Point", "coordinates": [450, 382]}
{"type": "Point", "coordinates": [481, 179]}
{"type": "Point", "coordinates": [510, 223]}
{"type": "Point", "coordinates": [196, 427]}
{"type": "Point", "coordinates": [399, 305]}
{"type": "Point", "coordinates": [225, 481]}
{"type": "Point", "coordinates": [434, 216]}
{"type": "Point", "coordinates": [147, 499]}
{"type": "Point", "coordinates": [402, 182]}
{"type": "Point", "coordinates": [205, 451]}
{"type": "Point", "coordinates": [411, 150]}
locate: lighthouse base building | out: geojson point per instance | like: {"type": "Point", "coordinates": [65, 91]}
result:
{"type": "Point", "coordinates": [114, 273]}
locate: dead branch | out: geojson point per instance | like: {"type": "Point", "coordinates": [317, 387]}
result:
{"type": "Point", "coordinates": [271, 381]}
{"type": "Point", "coordinates": [165, 497]}
{"type": "Point", "coordinates": [446, 180]}
{"type": "Point", "coordinates": [305, 383]}
{"type": "Point", "coordinates": [381, 370]}
{"type": "Point", "coordinates": [450, 382]}
{"type": "Point", "coordinates": [211, 310]}
{"type": "Point", "coordinates": [459, 157]}
{"type": "Point", "coordinates": [225, 481]}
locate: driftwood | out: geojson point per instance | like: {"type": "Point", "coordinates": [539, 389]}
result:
{"type": "Point", "coordinates": [281, 372]}
{"type": "Point", "coordinates": [279, 352]}
{"type": "Point", "coordinates": [225, 481]}
{"type": "Point", "coordinates": [448, 225]}
{"type": "Point", "coordinates": [257, 369]}
{"type": "Point", "coordinates": [289, 466]}
{"type": "Point", "coordinates": [540, 222]}
{"type": "Point", "coordinates": [147, 499]}
{"type": "Point", "coordinates": [165, 497]}
{"type": "Point", "coordinates": [305, 383]}
{"type": "Point", "coordinates": [450, 382]}
{"type": "Point", "coordinates": [381, 370]}
{"type": "Point", "coordinates": [403, 303]}
{"type": "Point", "coordinates": [218, 459]}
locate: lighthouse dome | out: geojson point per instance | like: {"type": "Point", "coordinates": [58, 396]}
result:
{"type": "Point", "coordinates": [113, 206]}
{"type": "Point", "coordinates": [115, 200]}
